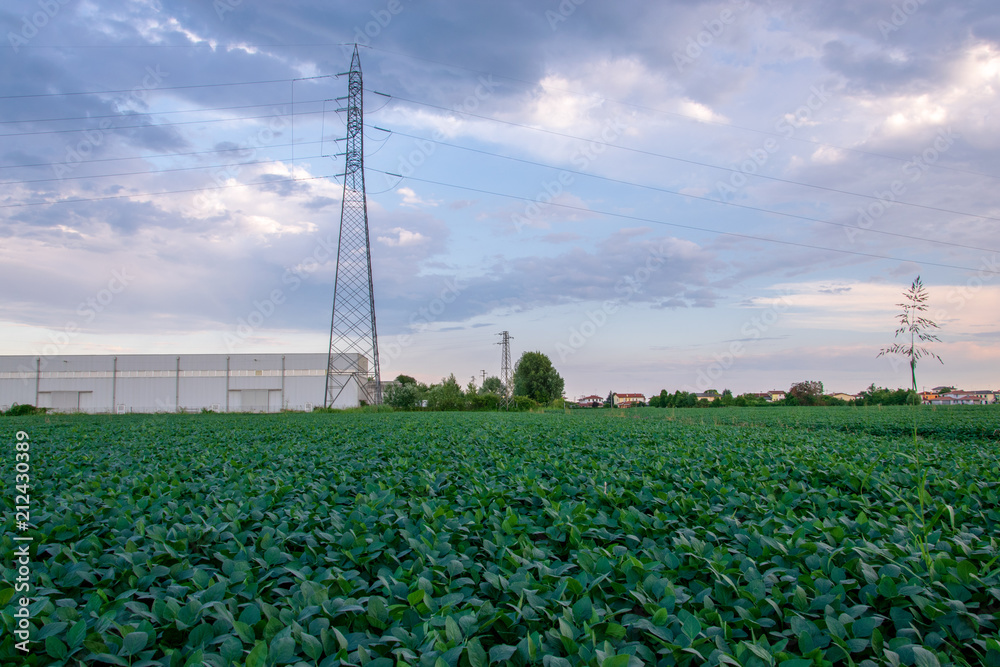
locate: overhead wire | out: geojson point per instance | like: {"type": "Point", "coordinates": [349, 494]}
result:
{"type": "Point", "coordinates": [515, 197]}
{"type": "Point", "coordinates": [709, 230]}
{"type": "Point", "coordinates": [498, 155]}
{"type": "Point", "coordinates": [680, 159]}
{"type": "Point", "coordinates": [156, 125]}
{"type": "Point", "coordinates": [162, 88]}
{"type": "Point", "coordinates": [143, 113]}
{"type": "Point", "coordinates": [199, 45]}
{"type": "Point", "coordinates": [524, 82]}
{"type": "Point", "coordinates": [511, 123]}
{"type": "Point", "coordinates": [689, 195]}
{"type": "Point", "coordinates": [82, 200]}
{"type": "Point", "coordinates": [156, 156]}
{"type": "Point", "coordinates": [696, 119]}
{"type": "Point", "coordinates": [149, 172]}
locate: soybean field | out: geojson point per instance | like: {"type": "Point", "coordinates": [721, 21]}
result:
{"type": "Point", "coordinates": [614, 538]}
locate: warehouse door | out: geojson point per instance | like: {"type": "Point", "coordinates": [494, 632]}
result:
{"type": "Point", "coordinates": [65, 401]}
{"type": "Point", "coordinates": [274, 401]}
{"type": "Point", "coordinates": [253, 400]}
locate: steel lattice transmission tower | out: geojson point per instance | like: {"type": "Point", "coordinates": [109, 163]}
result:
{"type": "Point", "coordinates": [505, 372]}
{"type": "Point", "coordinates": [353, 354]}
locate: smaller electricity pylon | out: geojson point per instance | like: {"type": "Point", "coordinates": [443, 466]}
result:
{"type": "Point", "coordinates": [505, 373]}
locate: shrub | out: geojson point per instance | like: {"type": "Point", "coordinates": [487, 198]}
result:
{"type": "Point", "coordinates": [23, 410]}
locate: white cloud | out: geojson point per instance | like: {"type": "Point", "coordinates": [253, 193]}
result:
{"type": "Point", "coordinates": [699, 111]}
{"type": "Point", "coordinates": [263, 225]}
{"type": "Point", "coordinates": [411, 198]}
{"type": "Point", "coordinates": [964, 99]}
{"type": "Point", "coordinates": [403, 237]}
{"type": "Point", "coordinates": [556, 108]}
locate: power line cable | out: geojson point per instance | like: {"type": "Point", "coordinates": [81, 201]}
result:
{"type": "Point", "coordinates": [160, 194]}
{"type": "Point", "coordinates": [688, 117]}
{"type": "Point", "coordinates": [157, 156]}
{"type": "Point", "coordinates": [682, 226]}
{"type": "Point", "coordinates": [692, 196]}
{"type": "Point", "coordinates": [156, 125]}
{"type": "Point", "coordinates": [524, 82]}
{"type": "Point", "coordinates": [144, 113]}
{"type": "Point", "coordinates": [492, 154]}
{"type": "Point", "coordinates": [200, 45]}
{"type": "Point", "coordinates": [150, 173]}
{"type": "Point", "coordinates": [683, 160]}
{"type": "Point", "coordinates": [161, 88]}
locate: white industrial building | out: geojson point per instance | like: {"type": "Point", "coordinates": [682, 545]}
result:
{"type": "Point", "coordinates": [173, 383]}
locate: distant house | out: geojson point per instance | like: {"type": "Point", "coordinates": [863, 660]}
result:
{"type": "Point", "coordinates": [963, 398]}
{"type": "Point", "coordinates": [843, 396]}
{"type": "Point", "coordinates": [708, 395]}
{"type": "Point", "coordinates": [988, 394]}
{"type": "Point", "coordinates": [590, 402]}
{"type": "Point", "coordinates": [627, 400]}
{"type": "Point", "coordinates": [774, 395]}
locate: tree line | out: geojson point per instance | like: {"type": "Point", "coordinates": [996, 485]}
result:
{"type": "Point", "coordinates": [807, 393]}
{"type": "Point", "coordinates": [535, 383]}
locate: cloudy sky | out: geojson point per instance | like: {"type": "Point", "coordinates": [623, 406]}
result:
{"type": "Point", "coordinates": [681, 195]}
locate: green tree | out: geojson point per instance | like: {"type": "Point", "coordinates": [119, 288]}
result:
{"type": "Point", "coordinates": [482, 401]}
{"type": "Point", "coordinates": [752, 400]}
{"type": "Point", "coordinates": [881, 396]}
{"type": "Point", "coordinates": [809, 392]}
{"type": "Point", "coordinates": [404, 396]}
{"type": "Point", "coordinates": [406, 379]}
{"type": "Point", "coordinates": [660, 400]}
{"type": "Point", "coordinates": [684, 399]}
{"type": "Point", "coordinates": [492, 385]}
{"type": "Point", "coordinates": [446, 396]}
{"type": "Point", "coordinates": [535, 377]}
{"type": "Point", "coordinates": [912, 322]}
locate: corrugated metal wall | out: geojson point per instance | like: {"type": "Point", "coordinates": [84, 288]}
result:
{"type": "Point", "coordinates": [168, 383]}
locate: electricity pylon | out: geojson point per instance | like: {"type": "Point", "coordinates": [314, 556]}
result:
{"type": "Point", "coordinates": [508, 390]}
{"type": "Point", "coordinates": [353, 354]}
